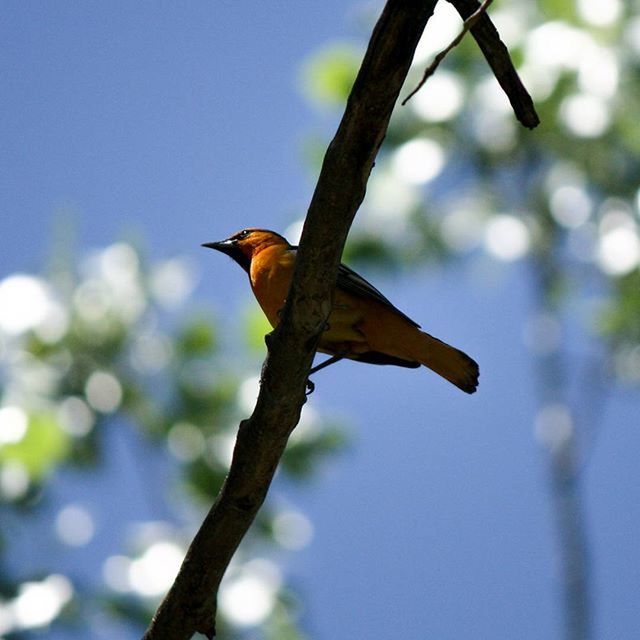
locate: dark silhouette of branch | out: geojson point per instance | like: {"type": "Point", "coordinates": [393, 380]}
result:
{"type": "Point", "coordinates": [486, 35]}
{"type": "Point", "coordinates": [497, 55]}
{"type": "Point", "coordinates": [190, 604]}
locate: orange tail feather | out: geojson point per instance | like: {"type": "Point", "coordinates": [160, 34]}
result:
{"type": "Point", "coordinates": [447, 361]}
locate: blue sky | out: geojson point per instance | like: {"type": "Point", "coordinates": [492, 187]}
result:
{"type": "Point", "coordinates": [182, 122]}
{"type": "Point", "coordinates": [150, 115]}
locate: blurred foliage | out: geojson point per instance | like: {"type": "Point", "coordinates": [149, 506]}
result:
{"type": "Point", "coordinates": [41, 448]}
{"type": "Point", "coordinates": [255, 328]}
{"type": "Point", "coordinates": [327, 77]}
{"type": "Point", "coordinates": [105, 344]}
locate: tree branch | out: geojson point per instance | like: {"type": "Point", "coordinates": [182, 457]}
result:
{"type": "Point", "coordinates": [497, 55]}
{"type": "Point", "coordinates": [484, 31]}
{"type": "Point", "coordinates": [431, 69]}
{"type": "Point", "coordinates": [191, 602]}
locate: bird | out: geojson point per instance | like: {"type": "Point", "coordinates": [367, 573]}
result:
{"type": "Point", "coordinates": [363, 324]}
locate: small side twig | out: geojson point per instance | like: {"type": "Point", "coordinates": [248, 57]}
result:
{"type": "Point", "coordinates": [466, 26]}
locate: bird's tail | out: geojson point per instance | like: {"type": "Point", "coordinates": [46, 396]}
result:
{"type": "Point", "coordinates": [447, 361]}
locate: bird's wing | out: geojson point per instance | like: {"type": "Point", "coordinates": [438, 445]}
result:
{"type": "Point", "coordinates": [354, 283]}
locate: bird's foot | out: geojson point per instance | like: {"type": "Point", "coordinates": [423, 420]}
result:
{"type": "Point", "coordinates": [310, 388]}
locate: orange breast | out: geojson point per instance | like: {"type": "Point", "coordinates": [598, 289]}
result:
{"type": "Point", "coordinates": [270, 274]}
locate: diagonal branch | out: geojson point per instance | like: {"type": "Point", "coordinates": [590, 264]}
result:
{"type": "Point", "coordinates": [497, 55]}
{"type": "Point", "coordinates": [191, 602]}
{"type": "Point", "coordinates": [484, 31]}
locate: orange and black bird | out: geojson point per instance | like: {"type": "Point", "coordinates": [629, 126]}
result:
{"type": "Point", "coordinates": [363, 324]}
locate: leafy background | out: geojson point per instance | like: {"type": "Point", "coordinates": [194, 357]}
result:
{"type": "Point", "coordinates": [129, 355]}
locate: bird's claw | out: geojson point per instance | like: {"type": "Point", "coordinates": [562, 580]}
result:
{"type": "Point", "coordinates": [310, 388]}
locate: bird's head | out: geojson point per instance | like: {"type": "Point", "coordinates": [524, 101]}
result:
{"type": "Point", "coordinates": [245, 244]}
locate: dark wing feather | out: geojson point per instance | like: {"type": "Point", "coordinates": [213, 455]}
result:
{"type": "Point", "coordinates": [354, 283]}
{"type": "Point", "coordinates": [375, 357]}
{"type": "Point", "coordinates": [350, 281]}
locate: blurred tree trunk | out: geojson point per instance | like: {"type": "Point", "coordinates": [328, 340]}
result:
{"type": "Point", "coordinates": [556, 429]}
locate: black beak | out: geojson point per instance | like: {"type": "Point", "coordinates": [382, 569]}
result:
{"type": "Point", "coordinates": [224, 246]}
{"type": "Point", "coordinates": [231, 248]}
